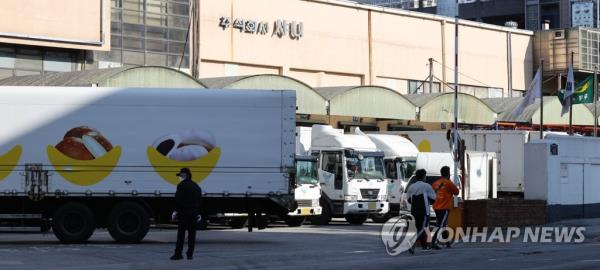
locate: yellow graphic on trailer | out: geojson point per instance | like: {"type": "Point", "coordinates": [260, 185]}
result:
{"type": "Point", "coordinates": [84, 156]}
{"type": "Point", "coordinates": [191, 148]}
{"type": "Point", "coordinates": [9, 160]}
{"type": "Point", "coordinates": [167, 168]}
{"type": "Point", "coordinates": [84, 172]}
{"type": "Point", "coordinates": [424, 146]}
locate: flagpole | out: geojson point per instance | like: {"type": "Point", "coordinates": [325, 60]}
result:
{"type": "Point", "coordinates": [541, 99]}
{"type": "Point", "coordinates": [571, 103]}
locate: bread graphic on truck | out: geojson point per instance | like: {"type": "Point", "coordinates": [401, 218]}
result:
{"type": "Point", "coordinates": [84, 156]}
{"type": "Point", "coordinates": [194, 149]}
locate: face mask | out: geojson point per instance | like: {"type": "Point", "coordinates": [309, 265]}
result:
{"type": "Point", "coordinates": [181, 178]}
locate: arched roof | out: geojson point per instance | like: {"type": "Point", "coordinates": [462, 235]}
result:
{"type": "Point", "coordinates": [143, 76]}
{"type": "Point", "coordinates": [439, 108]}
{"type": "Point", "coordinates": [307, 100]}
{"type": "Point", "coordinates": [582, 115]}
{"type": "Point", "coordinates": [368, 101]}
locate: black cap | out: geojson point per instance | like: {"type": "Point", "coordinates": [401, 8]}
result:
{"type": "Point", "coordinates": [185, 171]}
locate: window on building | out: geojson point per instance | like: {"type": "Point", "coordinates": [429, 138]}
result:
{"type": "Point", "coordinates": [150, 32]}
{"type": "Point", "coordinates": [58, 61]}
{"type": "Point", "coordinates": [422, 87]}
{"type": "Point", "coordinates": [28, 59]}
{"type": "Point", "coordinates": [7, 57]}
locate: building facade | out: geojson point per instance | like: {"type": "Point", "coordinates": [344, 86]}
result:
{"type": "Point", "coordinates": [322, 43]}
{"type": "Point", "coordinates": [344, 44]}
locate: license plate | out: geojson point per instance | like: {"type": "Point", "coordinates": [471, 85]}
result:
{"type": "Point", "coordinates": [305, 211]}
{"type": "Point", "coordinates": [372, 206]}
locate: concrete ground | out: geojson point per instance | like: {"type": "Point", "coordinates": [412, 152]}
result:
{"type": "Point", "coordinates": [337, 246]}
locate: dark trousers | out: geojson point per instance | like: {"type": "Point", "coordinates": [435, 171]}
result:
{"type": "Point", "coordinates": [421, 222]}
{"type": "Point", "coordinates": [442, 222]}
{"type": "Point", "coordinates": [187, 223]}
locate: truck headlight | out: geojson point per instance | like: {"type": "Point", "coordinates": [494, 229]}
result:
{"type": "Point", "coordinates": [383, 197]}
{"type": "Point", "coordinates": [350, 198]}
{"type": "Point", "coordinates": [315, 203]}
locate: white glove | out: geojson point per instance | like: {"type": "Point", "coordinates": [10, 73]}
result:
{"type": "Point", "coordinates": [174, 215]}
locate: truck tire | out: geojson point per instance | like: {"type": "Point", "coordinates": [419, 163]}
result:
{"type": "Point", "coordinates": [380, 218]}
{"type": "Point", "coordinates": [356, 219]}
{"type": "Point", "coordinates": [73, 223]}
{"type": "Point", "coordinates": [325, 216]}
{"type": "Point", "coordinates": [238, 222]}
{"type": "Point", "coordinates": [128, 222]}
{"type": "Point", "coordinates": [294, 221]}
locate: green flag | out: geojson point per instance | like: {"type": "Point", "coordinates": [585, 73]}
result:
{"type": "Point", "coordinates": [584, 92]}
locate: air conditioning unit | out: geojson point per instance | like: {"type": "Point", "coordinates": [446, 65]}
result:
{"type": "Point", "coordinates": [559, 34]}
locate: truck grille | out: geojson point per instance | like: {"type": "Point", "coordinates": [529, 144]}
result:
{"type": "Point", "coordinates": [307, 203]}
{"type": "Point", "coordinates": [369, 194]}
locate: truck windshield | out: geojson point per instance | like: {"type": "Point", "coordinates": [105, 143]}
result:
{"type": "Point", "coordinates": [409, 168]}
{"type": "Point", "coordinates": [306, 172]}
{"type": "Point", "coordinates": [367, 168]}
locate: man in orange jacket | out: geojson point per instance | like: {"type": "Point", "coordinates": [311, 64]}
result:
{"type": "Point", "coordinates": [445, 191]}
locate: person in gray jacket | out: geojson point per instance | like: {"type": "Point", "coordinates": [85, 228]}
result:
{"type": "Point", "coordinates": [421, 196]}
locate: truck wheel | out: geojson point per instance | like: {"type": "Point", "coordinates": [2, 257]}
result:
{"type": "Point", "coordinates": [128, 222]}
{"type": "Point", "coordinates": [325, 216]}
{"type": "Point", "coordinates": [73, 223]}
{"type": "Point", "coordinates": [380, 218]}
{"type": "Point", "coordinates": [294, 221]}
{"type": "Point", "coordinates": [238, 222]}
{"type": "Point", "coordinates": [356, 219]}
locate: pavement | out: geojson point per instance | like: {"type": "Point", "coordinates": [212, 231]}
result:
{"type": "Point", "coordinates": [337, 246]}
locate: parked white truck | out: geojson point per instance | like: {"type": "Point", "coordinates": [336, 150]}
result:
{"type": "Point", "coordinates": [77, 159]}
{"type": "Point", "coordinates": [351, 174]}
{"type": "Point", "coordinates": [307, 191]}
{"type": "Point", "coordinates": [400, 161]}
{"type": "Point", "coordinates": [508, 146]}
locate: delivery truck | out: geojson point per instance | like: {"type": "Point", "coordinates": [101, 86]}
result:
{"type": "Point", "coordinates": [508, 146]}
{"type": "Point", "coordinates": [76, 159]}
{"type": "Point", "coordinates": [307, 191]}
{"type": "Point", "coordinates": [400, 161]}
{"type": "Point", "coordinates": [351, 175]}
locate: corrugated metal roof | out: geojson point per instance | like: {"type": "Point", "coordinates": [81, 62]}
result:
{"type": "Point", "coordinates": [368, 101]}
{"type": "Point", "coordinates": [439, 108]}
{"type": "Point", "coordinates": [147, 76]}
{"type": "Point", "coordinates": [308, 100]}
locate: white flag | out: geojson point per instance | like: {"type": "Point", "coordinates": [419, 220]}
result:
{"type": "Point", "coordinates": [534, 91]}
{"type": "Point", "coordinates": [569, 91]}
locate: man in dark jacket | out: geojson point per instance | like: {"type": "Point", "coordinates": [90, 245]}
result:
{"type": "Point", "coordinates": [187, 203]}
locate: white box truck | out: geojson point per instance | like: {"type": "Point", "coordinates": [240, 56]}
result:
{"type": "Point", "coordinates": [400, 161]}
{"type": "Point", "coordinates": [84, 158]}
{"type": "Point", "coordinates": [351, 174]}
{"type": "Point", "coordinates": [508, 146]}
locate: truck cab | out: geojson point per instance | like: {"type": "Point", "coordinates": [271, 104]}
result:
{"type": "Point", "coordinates": [351, 175]}
{"type": "Point", "coordinates": [307, 190]}
{"type": "Point", "coordinates": [400, 163]}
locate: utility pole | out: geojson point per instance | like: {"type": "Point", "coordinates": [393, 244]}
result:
{"type": "Point", "coordinates": [455, 128]}
{"type": "Point", "coordinates": [430, 75]}
{"type": "Point", "coordinates": [595, 99]}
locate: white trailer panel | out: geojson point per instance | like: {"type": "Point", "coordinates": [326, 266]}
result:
{"type": "Point", "coordinates": [253, 133]}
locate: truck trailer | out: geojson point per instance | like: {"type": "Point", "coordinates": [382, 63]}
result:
{"type": "Point", "coordinates": [76, 159]}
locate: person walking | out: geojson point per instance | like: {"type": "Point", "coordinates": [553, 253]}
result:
{"type": "Point", "coordinates": [420, 196]}
{"type": "Point", "coordinates": [187, 204]}
{"type": "Point", "coordinates": [445, 191]}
